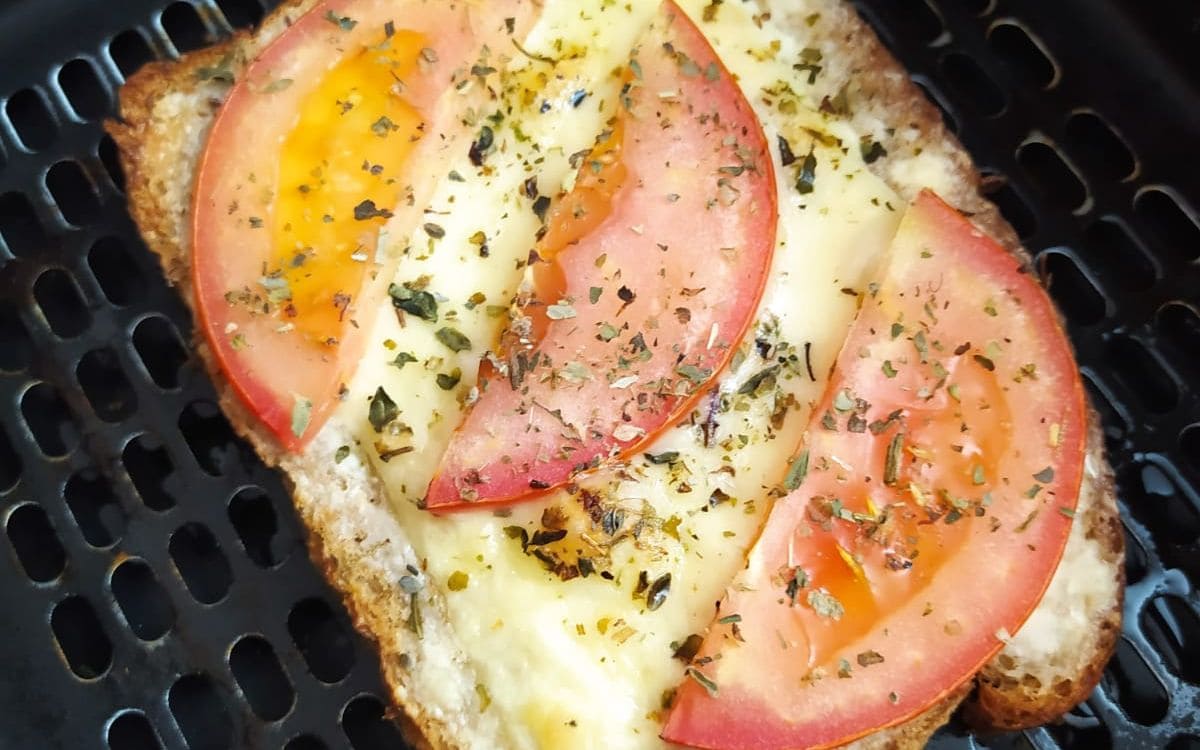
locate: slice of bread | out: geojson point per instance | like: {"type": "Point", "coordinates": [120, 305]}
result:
{"type": "Point", "coordinates": [1050, 665]}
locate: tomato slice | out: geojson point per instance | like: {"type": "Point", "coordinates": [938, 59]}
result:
{"type": "Point", "coordinates": [649, 273]}
{"type": "Point", "coordinates": [322, 142]}
{"type": "Point", "coordinates": [932, 499]}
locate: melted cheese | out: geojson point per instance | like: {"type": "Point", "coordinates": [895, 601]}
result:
{"type": "Point", "coordinates": [585, 663]}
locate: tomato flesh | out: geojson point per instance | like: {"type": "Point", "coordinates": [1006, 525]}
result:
{"type": "Point", "coordinates": [649, 273]}
{"type": "Point", "coordinates": [932, 498]}
{"type": "Point", "coordinates": [321, 143]}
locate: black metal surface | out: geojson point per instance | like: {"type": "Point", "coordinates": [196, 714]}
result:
{"type": "Point", "coordinates": [155, 589]}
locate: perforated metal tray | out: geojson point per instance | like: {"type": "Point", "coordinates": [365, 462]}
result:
{"type": "Point", "coordinates": [154, 586]}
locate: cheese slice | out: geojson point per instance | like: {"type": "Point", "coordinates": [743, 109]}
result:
{"type": "Point", "coordinates": [586, 661]}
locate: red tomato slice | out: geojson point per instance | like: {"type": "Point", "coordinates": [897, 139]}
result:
{"type": "Point", "coordinates": [651, 270]}
{"type": "Point", "coordinates": [319, 142]}
{"type": "Point", "coordinates": [935, 491]}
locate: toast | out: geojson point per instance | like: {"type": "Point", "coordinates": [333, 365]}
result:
{"type": "Point", "coordinates": [1046, 668]}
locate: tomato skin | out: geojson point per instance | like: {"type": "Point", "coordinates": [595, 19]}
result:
{"type": "Point", "coordinates": [640, 310]}
{"type": "Point", "coordinates": [291, 382]}
{"type": "Point", "coordinates": [870, 633]}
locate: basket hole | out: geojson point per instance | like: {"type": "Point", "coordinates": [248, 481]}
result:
{"type": "Point", "coordinates": [1155, 500]}
{"type": "Point", "coordinates": [130, 51]}
{"type": "Point", "coordinates": [1179, 325]}
{"type": "Point", "coordinates": [85, 91]}
{"type": "Point", "coordinates": [934, 94]}
{"type": "Point", "coordinates": [365, 726]}
{"type": "Point", "coordinates": [200, 713]}
{"type": "Point", "coordinates": [37, 546]}
{"type": "Point", "coordinates": [95, 508]}
{"type": "Point", "coordinates": [1136, 688]}
{"type": "Point", "coordinates": [110, 159]}
{"type": "Point", "coordinates": [1023, 55]}
{"type": "Point", "coordinates": [1051, 176]}
{"type": "Point", "coordinates": [253, 516]}
{"type": "Point", "coordinates": [77, 629]}
{"type": "Point", "coordinates": [261, 678]}
{"type": "Point", "coordinates": [19, 225]}
{"type": "Point", "coordinates": [161, 351]}
{"type": "Point", "coordinates": [201, 563]}
{"type": "Point", "coordinates": [1189, 443]}
{"type": "Point", "coordinates": [1184, 742]}
{"type": "Point", "coordinates": [1012, 206]}
{"type": "Point", "coordinates": [1173, 226]}
{"type": "Point", "coordinates": [241, 13]}
{"type": "Point", "coordinates": [185, 27]}
{"type": "Point", "coordinates": [209, 436]}
{"type": "Point", "coordinates": [74, 192]}
{"type": "Point", "coordinates": [15, 346]}
{"type": "Point", "coordinates": [31, 118]}
{"type": "Point", "coordinates": [1173, 628]}
{"type": "Point", "coordinates": [1137, 562]}
{"type": "Point", "coordinates": [132, 731]}
{"type": "Point", "coordinates": [105, 386]}
{"type": "Point", "coordinates": [49, 420]}
{"type": "Point", "coordinates": [1139, 370]}
{"type": "Point", "coordinates": [972, 84]}
{"type": "Point", "coordinates": [61, 303]}
{"type": "Point", "coordinates": [1080, 728]}
{"type": "Point", "coordinates": [1114, 421]}
{"type": "Point", "coordinates": [10, 464]}
{"type": "Point", "coordinates": [305, 742]}
{"type": "Point", "coordinates": [1118, 254]}
{"type": "Point", "coordinates": [1075, 293]}
{"type": "Point", "coordinates": [116, 273]}
{"type": "Point", "coordinates": [149, 466]}
{"type": "Point", "coordinates": [322, 640]}
{"type": "Point", "coordinates": [1098, 148]}
{"type": "Point", "coordinates": [142, 600]}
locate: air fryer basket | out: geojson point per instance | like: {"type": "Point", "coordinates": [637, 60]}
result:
{"type": "Point", "coordinates": [154, 584]}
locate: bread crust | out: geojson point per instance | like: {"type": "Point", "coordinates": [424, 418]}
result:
{"type": "Point", "coordinates": [166, 109]}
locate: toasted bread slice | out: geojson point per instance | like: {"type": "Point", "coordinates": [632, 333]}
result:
{"type": "Point", "coordinates": [1050, 665]}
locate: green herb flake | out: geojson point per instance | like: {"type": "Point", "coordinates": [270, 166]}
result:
{"type": "Point", "coordinates": [607, 332]}
{"type": "Point", "coordinates": [277, 85]}
{"type": "Point", "coordinates": [447, 381]}
{"type": "Point", "coordinates": [797, 471]}
{"type": "Point", "coordinates": [560, 311]}
{"type": "Point", "coordinates": [1068, 512]}
{"type": "Point", "coordinates": [843, 401]}
{"type": "Point", "coordinates": [382, 411]}
{"type": "Point", "coordinates": [695, 374]}
{"type": "Point", "coordinates": [594, 294]}
{"type": "Point", "coordinates": [825, 604]}
{"type": "Point", "coordinates": [799, 580]}
{"type": "Point", "coordinates": [869, 658]}
{"type": "Point", "coordinates": [897, 329]}
{"type": "Point", "coordinates": [1045, 476]}
{"type": "Point", "coordinates": [341, 454]}
{"type": "Point", "coordinates": [977, 475]}
{"type": "Point", "coordinates": [416, 302]}
{"type": "Point", "coordinates": [345, 23]}
{"type": "Point", "coordinates": [729, 619]}
{"type": "Point", "coordinates": [453, 339]}
{"type": "Point", "coordinates": [887, 368]}
{"type": "Point", "coordinates": [666, 457]}
{"type": "Point", "coordinates": [703, 681]}
{"type": "Point", "coordinates": [807, 175]}
{"type": "Point", "coordinates": [402, 359]}
{"type": "Point", "coordinates": [891, 468]}
{"type": "Point", "coordinates": [457, 581]}
{"type": "Point", "coordinates": [301, 414]}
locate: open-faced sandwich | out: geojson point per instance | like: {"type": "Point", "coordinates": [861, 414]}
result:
{"type": "Point", "coordinates": [647, 372]}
